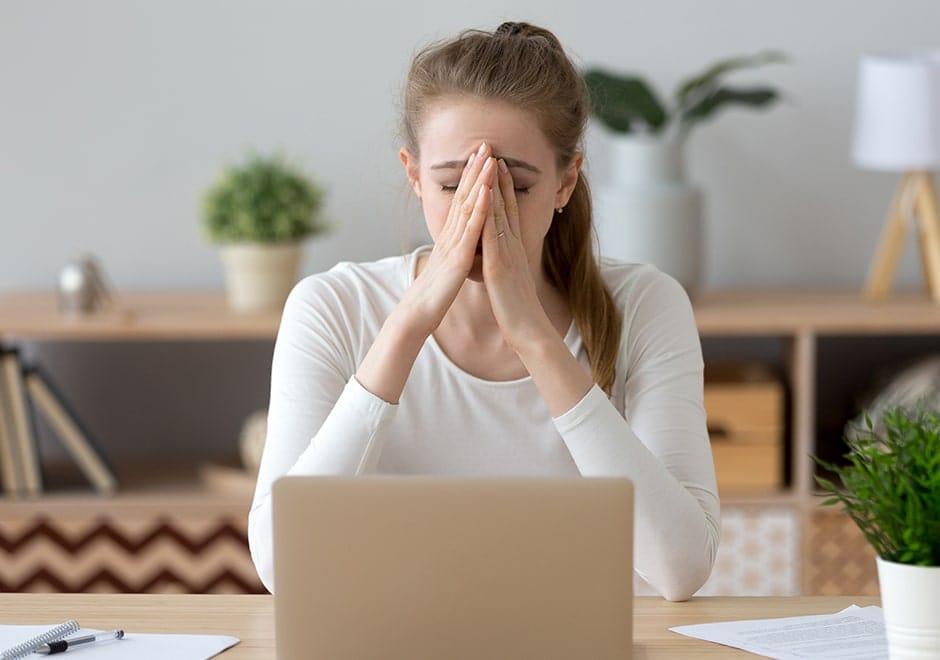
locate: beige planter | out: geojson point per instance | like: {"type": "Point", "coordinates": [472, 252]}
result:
{"type": "Point", "coordinates": [648, 212]}
{"type": "Point", "coordinates": [910, 598]}
{"type": "Point", "coordinates": [259, 276]}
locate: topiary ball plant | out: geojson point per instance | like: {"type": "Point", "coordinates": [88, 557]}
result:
{"type": "Point", "coordinates": [265, 199]}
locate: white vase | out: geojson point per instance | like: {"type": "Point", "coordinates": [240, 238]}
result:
{"type": "Point", "coordinates": [648, 212]}
{"type": "Point", "coordinates": [259, 276]}
{"type": "Point", "coordinates": [910, 598]}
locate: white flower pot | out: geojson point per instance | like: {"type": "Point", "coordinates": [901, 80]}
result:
{"type": "Point", "coordinates": [258, 276]}
{"type": "Point", "coordinates": [648, 212]}
{"type": "Point", "coordinates": [910, 598]}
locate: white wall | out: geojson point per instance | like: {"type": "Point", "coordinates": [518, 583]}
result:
{"type": "Point", "coordinates": [116, 114]}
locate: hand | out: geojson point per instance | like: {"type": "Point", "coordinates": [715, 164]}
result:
{"type": "Point", "coordinates": [506, 270]}
{"type": "Point", "coordinates": [454, 249]}
{"type": "Point", "coordinates": [385, 368]}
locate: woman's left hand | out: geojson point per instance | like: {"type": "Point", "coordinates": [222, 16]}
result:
{"type": "Point", "coordinates": [506, 268]}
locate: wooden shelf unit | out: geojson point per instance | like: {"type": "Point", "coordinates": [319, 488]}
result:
{"type": "Point", "coordinates": [832, 556]}
{"type": "Point", "coordinates": [800, 319]}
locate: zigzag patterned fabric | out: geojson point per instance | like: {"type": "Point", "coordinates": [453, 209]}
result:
{"type": "Point", "coordinates": [201, 555]}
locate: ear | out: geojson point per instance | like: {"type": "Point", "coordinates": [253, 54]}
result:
{"type": "Point", "coordinates": [569, 179]}
{"type": "Point", "coordinates": [411, 169]}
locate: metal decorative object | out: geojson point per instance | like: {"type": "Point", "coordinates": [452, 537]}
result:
{"type": "Point", "coordinates": [82, 287]}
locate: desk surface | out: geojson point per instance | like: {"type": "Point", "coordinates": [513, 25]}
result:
{"type": "Point", "coordinates": [251, 618]}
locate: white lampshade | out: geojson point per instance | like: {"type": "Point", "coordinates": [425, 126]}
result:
{"type": "Point", "coordinates": [897, 113]}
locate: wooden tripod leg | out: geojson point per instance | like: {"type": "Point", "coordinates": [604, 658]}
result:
{"type": "Point", "coordinates": [928, 219]}
{"type": "Point", "coordinates": [889, 247]}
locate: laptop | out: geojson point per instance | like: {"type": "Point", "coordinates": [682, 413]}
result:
{"type": "Point", "coordinates": [431, 568]}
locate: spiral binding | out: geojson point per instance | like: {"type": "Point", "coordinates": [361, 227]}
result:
{"type": "Point", "coordinates": [30, 645]}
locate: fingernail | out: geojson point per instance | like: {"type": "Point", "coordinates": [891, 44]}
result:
{"type": "Point", "coordinates": [481, 149]}
{"type": "Point", "coordinates": [488, 165]}
{"type": "Point", "coordinates": [502, 166]}
{"type": "Point", "coordinates": [470, 160]}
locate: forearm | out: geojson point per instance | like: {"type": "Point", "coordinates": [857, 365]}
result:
{"type": "Point", "coordinates": [560, 378]}
{"type": "Point", "coordinates": [677, 513]}
{"type": "Point", "coordinates": [347, 443]}
{"type": "Point", "coordinates": [386, 367]}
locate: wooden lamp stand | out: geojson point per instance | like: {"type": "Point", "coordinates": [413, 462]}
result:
{"type": "Point", "coordinates": [915, 198]}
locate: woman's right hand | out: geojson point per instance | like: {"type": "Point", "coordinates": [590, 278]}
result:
{"type": "Point", "coordinates": [385, 368]}
{"type": "Point", "coordinates": [455, 247]}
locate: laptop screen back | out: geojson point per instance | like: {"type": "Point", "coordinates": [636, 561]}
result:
{"type": "Point", "coordinates": [430, 568]}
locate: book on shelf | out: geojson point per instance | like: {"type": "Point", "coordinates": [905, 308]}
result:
{"type": "Point", "coordinates": [9, 468]}
{"type": "Point", "coordinates": [76, 440]}
{"type": "Point", "coordinates": [20, 429]}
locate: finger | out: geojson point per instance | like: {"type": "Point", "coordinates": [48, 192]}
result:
{"type": "Point", "coordinates": [510, 204]}
{"type": "Point", "coordinates": [480, 173]}
{"type": "Point", "coordinates": [477, 219]}
{"type": "Point", "coordinates": [470, 176]}
{"type": "Point", "coordinates": [499, 213]}
{"type": "Point", "coordinates": [484, 182]}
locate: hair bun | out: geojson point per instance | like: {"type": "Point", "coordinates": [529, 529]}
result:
{"type": "Point", "coordinates": [527, 31]}
{"type": "Point", "coordinates": [509, 28]}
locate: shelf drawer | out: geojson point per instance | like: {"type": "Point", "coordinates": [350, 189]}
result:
{"type": "Point", "coordinates": [742, 467]}
{"type": "Point", "coordinates": [745, 408]}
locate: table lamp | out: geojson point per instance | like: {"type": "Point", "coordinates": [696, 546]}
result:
{"type": "Point", "coordinates": [897, 129]}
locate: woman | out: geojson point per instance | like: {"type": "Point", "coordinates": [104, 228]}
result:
{"type": "Point", "coordinates": [503, 349]}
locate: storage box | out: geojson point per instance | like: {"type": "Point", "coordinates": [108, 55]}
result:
{"type": "Point", "coordinates": [745, 411]}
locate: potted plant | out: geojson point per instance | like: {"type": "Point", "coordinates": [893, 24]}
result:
{"type": "Point", "coordinates": [890, 486]}
{"type": "Point", "coordinates": [259, 211]}
{"type": "Point", "coordinates": [648, 212]}
{"type": "Point", "coordinates": [626, 104]}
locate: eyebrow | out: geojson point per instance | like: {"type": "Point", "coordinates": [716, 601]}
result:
{"type": "Point", "coordinates": [510, 162]}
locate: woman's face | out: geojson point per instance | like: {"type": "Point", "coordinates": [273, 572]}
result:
{"type": "Point", "coordinates": [453, 129]}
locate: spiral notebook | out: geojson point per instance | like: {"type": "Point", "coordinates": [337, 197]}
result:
{"type": "Point", "coordinates": [140, 646]}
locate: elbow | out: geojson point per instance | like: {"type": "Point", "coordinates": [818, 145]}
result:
{"type": "Point", "coordinates": [683, 584]}
{"type": "Point", "coordinates": [681, 590]}
{"type": "Point", "coordinates": [688, 576]}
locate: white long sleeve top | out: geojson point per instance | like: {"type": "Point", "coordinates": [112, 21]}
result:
{"type": "Point", "coordinates": [321, 421]}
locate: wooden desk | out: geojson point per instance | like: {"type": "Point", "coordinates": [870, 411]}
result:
{"type": "Point", "coordinates": [251, 618]}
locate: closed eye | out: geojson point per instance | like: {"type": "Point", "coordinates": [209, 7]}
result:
{"type": "Point", "coordinates": [452, 189]}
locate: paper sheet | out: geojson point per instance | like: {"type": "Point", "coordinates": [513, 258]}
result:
{"type": "Point", "coordinates": [856, 633]}
{"type": "Point", "coordinates": [140, 646]}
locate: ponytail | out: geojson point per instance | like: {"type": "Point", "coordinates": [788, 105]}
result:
{"type": "Point", "coordinates": [570, 265]}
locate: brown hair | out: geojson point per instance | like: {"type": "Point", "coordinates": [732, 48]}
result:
{"type": "Point", "coordinates": [526, 66]}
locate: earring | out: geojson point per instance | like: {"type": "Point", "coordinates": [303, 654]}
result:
{"type": "Point", "coordinates": [560, 210]}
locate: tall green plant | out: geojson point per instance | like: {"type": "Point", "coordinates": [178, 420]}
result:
{"type": "Point", "coordinates": [626, 103]}
{"type": "Point", "coordinates": [264, 199]}
{"type": "Point", "coordinates": [890, 485]}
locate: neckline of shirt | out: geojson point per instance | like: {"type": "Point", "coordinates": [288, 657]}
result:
{"type": "Point", "coordinates": [571, 337]}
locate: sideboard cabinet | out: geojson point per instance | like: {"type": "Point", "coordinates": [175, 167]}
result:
{"type": "Point", "coordinates": [167, 529]}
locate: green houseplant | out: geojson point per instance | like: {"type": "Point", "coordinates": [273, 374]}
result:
{"type": "Point", "coordinates": [647, 212]}
{"type": "Point", "coordinates": [890, 486]}
{"type": "Point", "coordinates": [259, 211]}
{"type": "Point", "coordinates": [626, 103]}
